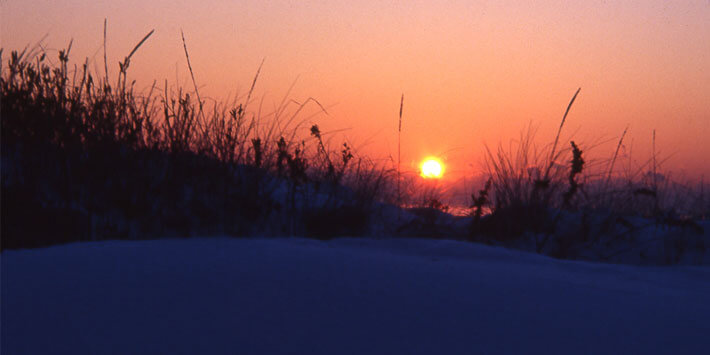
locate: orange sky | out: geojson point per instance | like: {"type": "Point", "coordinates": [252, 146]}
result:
{"type": "Point", "coordinates": [472, 72]}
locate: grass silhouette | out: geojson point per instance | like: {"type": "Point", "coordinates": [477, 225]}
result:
{"type": "Point", "coordinates": [84, 158]}
{"type": "Point", "coordinates": [87, 159]}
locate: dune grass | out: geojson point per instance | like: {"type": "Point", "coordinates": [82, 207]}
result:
{"type": "Point", "coordinates": [84, 158]}
{"type": "Point", "coordinates": [561, 202]}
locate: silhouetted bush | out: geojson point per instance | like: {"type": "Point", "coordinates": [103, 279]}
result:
{"type": "Point", "coordinates": [85, 159]}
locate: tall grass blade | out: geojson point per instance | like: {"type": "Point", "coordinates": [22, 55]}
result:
{"type": "Point", "coordinates": [194, 83]}
{"type": "Point", "coordinates": [105, 60]}
{"type": "Point", "coordinates": [139, 44]}
{"type": "Point", "coordinates": [613, 159]}
{"type": "Point", "coordinates": [399, 148]}
{"type": "Point", "coordinates": [557, 137]}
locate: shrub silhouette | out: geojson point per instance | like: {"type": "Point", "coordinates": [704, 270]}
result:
{"type": "Point", "coordinates": [87, 159]}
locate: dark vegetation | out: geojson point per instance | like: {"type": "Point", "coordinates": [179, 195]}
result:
{"type": "Point", "coordinates": [552, 202]}
{"type": "Point", "coordinates": [87, 159]}
{"type": "Point", "coordinates": [84, 158]}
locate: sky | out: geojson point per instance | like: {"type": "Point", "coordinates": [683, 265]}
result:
{"type": "Point", "coordinates": [472, 72]}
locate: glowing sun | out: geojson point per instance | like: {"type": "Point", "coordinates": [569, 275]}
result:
{"type": "Point", "coordinates": [431, 168]}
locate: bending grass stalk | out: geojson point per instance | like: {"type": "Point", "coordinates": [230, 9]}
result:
{"type": "Point", "coordinates": [194, 83]}
{"type": "Point", "coordinates": [613, 159]}
{"type": "Point", "coordinates": [105, 60]}
{"type": "Point", "coordinates": [557, 138]}
{"type": "Point", "coordinates": [399, 149]}
{"type": "Point", "coordinates": [243, 110]}
{"type": "Point", "coordinates": [126, 61]}
{"type": "Point", "coordinates": [253, 85]}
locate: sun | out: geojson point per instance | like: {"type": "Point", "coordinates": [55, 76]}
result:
{"type": "Point", "coordinates": [431, 168]}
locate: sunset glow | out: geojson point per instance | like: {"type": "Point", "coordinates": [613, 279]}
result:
{"type": "Point", "coordinates": [363, 176]}
{"type": "Point", "coordinates": [432, 168]}
{"type": "Point", "coordinates": [472, 72]}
